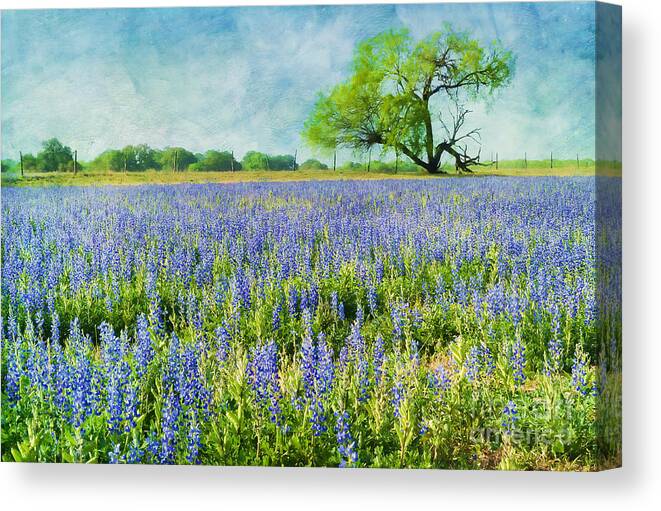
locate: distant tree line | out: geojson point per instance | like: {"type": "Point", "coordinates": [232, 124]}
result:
{"type": "Point", "coordinates": [55, 156]}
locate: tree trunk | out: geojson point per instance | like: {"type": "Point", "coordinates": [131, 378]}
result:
{"type": "Point", "coordinates": [429, 134]}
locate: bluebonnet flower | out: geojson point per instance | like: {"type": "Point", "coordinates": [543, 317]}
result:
{"type": "Point", "coordinates": [194, 440]}
{"type": "Point", "coordinates": [314, 296]}
{"type": "Point", "coordinates": [334, 302]}
{"type": "Point", "coordinates": [156, 317]}
{"type": "Point", "coordinates": [263, 377]}
{"type": "Point", "coordinates": [130, 404]}
{"type": "Point", "coordinates": [579, 372]}
{"type": "Point", "coordinates": [378, 269]}
{"type": "Point", "coordinates": [193, 390]}
{"type": "Point", "coordinates": [397, 322]}
{"type": "Point", "coordinates": [117, 371]}
{"type": "Point", "coordinates": [554, 360]}
{"type": "Point", "coordinates": [169, 429]}
{"type": "Point", "coordinates": [439, 292]}
{"type": "Point", "coordinates": [488, 362]}
{"type": "Point", "coordinates": [55, 327]}
{"type": "Point", "coordinates": [135, 454]}
{"type": "Point", "coordinates": [439, 381]}
{"type": "Point", "coordinates": [325, 365]}
{"type": "Point", "coordinates": [414, 355]}
{"type": "Point", "coordinates": [308, 365]}
{"type": "Point", "coordinates": [343, 357]}
{"type": "Point", "coordinates": [172, 373]}
{"type": "Point", "coordinates": [292, 301]}
{"type": "Point", "coordinates": [346, 446]}
{"type": "Point", "coordinates": [222, 342]}
{"type": "Point", "coordinates": [371, 299]}
{"type": "Point", "coordinates": [398, 395]}
{"type": "Point", "coordinates": [12, 375]}
{"type": "Point", "coordinates": [39, 324]}
{"type": "Point", "coordinates": [318, 373]}
{"type": "Point", "coordinates": [275, 317]}
{"type": "Point", "coordinates": [144, 349]}
{"type": "Point", "coordinates": [357, 356]}
{"type": "Point", "coordinates": [473, 363]}
{"type": "Point", "coordinates": [416, 318]}
{"type": "Point", "coordinates": [360, 315]}
{"type": "Point", "coordinates": [510, 417]}
{"type": "Point", "coordinates": [304, 303]}
{"type": "Point", "coordinates": [153, 449]}
{"type": "Point", "coordinates": [518, 362]}
{"type": "Point", "coordinates": [114, 456]}
{"type": "Point", "coordinates": [378, 359]}
{"type": "Point", "coordinates": [307, 323]}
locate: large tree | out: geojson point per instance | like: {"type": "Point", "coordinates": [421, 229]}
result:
{"type": "Point", "coordinates": [409, 97]}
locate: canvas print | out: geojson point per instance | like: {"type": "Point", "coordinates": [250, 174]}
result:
{"type": "Point", "coordinates": [362, 236]}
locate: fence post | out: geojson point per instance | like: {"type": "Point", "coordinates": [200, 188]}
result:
{"type": "Point", "coordinates": [295, 155]}
{"type": "Point", "coordinates": [369, 159]}
{"type": "Point", "coordinates": [525, 160]}
{"type": "Point", "coordinates": [75, 161]}
{"type": "Point", "coordinates": [334, 159]}
{"type": "Point", "coordinates": [267, 162]}
{"type": "Point", "coordinates": [496, 161]}
{"type": "Point", "coordinates": [232, 161]}
{"type": "Point", "coordinates": [176, 159]}
{"type": "Point", "coordinates": [20, 155]}
{"type": "Point", "coordinates": [577, 162]}
{"type": "Point", "coordinates": [396, 162]}
{"type": "Point", "coordinates": [551, 159]}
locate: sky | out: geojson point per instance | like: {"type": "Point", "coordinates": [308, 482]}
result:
{"type": "Point", "coordinates": [247, 78]}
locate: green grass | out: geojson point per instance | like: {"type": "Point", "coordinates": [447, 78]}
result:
{"type": "Point", "coordinates": [167, 177]}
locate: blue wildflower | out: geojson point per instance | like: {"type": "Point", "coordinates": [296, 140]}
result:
{"type": "Point", "coordinates": [518, 362]}
{"type": "Point", "coordinates": [346, 446]}
{"type": "Point", "coordinates": [510, 417]}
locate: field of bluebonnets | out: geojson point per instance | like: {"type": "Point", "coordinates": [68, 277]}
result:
{"type": "Point", "coordinates": [421, 323]}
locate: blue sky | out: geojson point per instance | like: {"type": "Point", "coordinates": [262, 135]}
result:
{"type": "Point", "coordinates": [246, 78]}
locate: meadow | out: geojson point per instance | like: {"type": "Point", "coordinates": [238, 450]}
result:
{"type": "Point", "coordinates": [424, 323]}
{"type": "Point", "coordinates": [379, 170]}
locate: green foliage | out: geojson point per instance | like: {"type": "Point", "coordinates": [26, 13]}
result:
{"type": "Point", "coordinates": [54, 156]}
{"type": "Point", "coordinates": [399, 86]}
{"type": "Point", "coordinates": [254, 160]}
{"type": "Point", "coordinates": [130, 158]}
{"type": "Point", "coordinates": [141, 157]}
{"type": "Point", "coordinates": [216, 160]}
{"type": "Point", "coordinates": [112, 159]}
{"type": "Point", "coordinates": [352, 165]}
{"type": "Point", "coordinates": [282, 162]}
{"type": "Point", "coordinates": [29, 162]}
{"type": "Point", "coordinates": [313, 164]}
{"type": "Point", "coordinates": [184, 158]}
{"type": "Point", "coordinates": [8, 165]}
